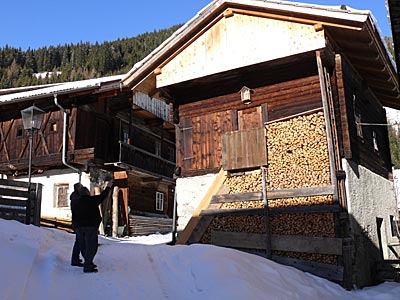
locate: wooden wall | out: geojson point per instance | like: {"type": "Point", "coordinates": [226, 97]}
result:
{"type": "Point", "coordinates": [142, 196]}
{"type": "Point", "coordinates": [202, 123]}
{"type": "Point", "coordinates": [47, 142]}
{"type": "Point", "coordinates": [356, 99]}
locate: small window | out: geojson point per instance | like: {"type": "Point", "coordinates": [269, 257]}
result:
{"type": "Point", "coordinates": [158, 148]}
{"type": "Point", "coordinates": [61, 195]}
{"type": "Point", "coordinates": [375, 140]}
{"type": "Point", "coordinates": [159, 201]}
{"type": "Point", "coordinates": [394, 227]}
{"type": "Point", "coordinates": [20, 132]}
{"type": "Point", "coordinates": [171, 154]}
{"type": "Point", "coordinates": [53, 127]}
{"type": "Point", "coordinates": [125, 137]}
{"type": "Point", "coordinates": [359, 126]}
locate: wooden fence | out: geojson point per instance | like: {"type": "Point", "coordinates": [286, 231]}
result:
{"type": "Point", "coordinates": [21, 202]}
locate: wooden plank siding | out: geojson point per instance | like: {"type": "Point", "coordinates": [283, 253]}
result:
{"type": "Point", "coordinates": [200, 141]}
{"type": "Point", "coordinates": [244, 149]}
{"type": "Point", "coordinates": [292, 243]}
{"type": "Point", "coordinates": [341, 109]}
{"type": "Point", "coordinates": [203, 123]}
{"type": "Point", "coordinates": [142, 196]}
{"type": "Point", "coordinates": [47, 142]}
{"type": "Point", "coordinates": [360, 100]}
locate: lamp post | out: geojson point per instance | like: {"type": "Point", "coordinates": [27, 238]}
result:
{"type": "Point", "coordinates": [32, 118]}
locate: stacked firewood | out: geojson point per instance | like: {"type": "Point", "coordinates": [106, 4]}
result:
{"type": "Point", "coordinates": [297, 158]}
{"type": "Point", "coordinates": [298, 153]}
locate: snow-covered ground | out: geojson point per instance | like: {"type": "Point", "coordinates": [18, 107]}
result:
{"type": "Point", "coordinates": [35, 264]}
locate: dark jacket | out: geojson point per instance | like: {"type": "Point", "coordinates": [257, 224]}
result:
{"type": "Point", "coordinates": [74, 198]}
{"type": "Point", "coordinates": [85, 210]}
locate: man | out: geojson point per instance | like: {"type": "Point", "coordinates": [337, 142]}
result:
{"type": "Point", "coordinates": [76, 250]}
{"type": "Point", "coordinates": [87, 219]}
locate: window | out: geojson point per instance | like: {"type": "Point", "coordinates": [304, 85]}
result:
{"type": "Point", "coordinates": [394, 224]}
{"type": "Point", "coordinates": [158, 148]}
{"type": "Point", "coordinates": [61, 195]}
{"type": "Point", "coordinates": [53, 127]}
{"type": "Point", "coordinates": [359, 126]}
{"type": "Point", "coordinates": [159, 201]}
{"type": "Point", "coordinates": [125, 136]}
{"type": "Point", "coordinates": [171, 154]}
{"type": "Point", "coordinates": [20, 132]}
{"type": "Point", "coordinates": [375, 140]}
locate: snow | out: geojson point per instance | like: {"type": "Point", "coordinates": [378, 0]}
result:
{"type": "Point", "coordinates": [35, 264]}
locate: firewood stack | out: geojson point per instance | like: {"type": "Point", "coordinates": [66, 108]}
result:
{"type": "Point", "coordinates": [297, 158]}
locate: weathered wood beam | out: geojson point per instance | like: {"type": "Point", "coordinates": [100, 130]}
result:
{"type": "Point", "coordinates": [15, 193]}
{"type": "Point", "coordinates": [274, 194]}
{"type": "Point", "coordinates": [331, 272]}
{"type": "Point", "coordinates": [292, 243]}
{"type": "Point", "coordinates": [205, 202]}
{"type": "Point", "coordinates": [333, 208]}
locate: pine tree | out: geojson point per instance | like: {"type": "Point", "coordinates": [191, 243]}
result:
{"type": "Point", "coordinates": [76, 62]}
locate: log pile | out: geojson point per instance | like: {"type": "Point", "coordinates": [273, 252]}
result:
{"type": "Point", "coordinates": [297, 158]}
{"type": "Point", "coordinates": [298, 153]}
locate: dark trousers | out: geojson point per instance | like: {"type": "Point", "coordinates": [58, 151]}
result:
{"type": "Point", "coordinates": [88, 240]}
{"type": "Point", "coordinates": [76, 250]}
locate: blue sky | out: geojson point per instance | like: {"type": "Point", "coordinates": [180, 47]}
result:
{"type": "Point", "coordinates": [38, 23]}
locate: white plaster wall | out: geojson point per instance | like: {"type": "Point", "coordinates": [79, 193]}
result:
{"type": "Point", "coordinates": [370, 196]}
{"type": "Point", "coordinates": [396, 179]}
{"type": "Point", "coordinates": [50, 179]}
{"type": "Point", "coordinates": [189, 193]}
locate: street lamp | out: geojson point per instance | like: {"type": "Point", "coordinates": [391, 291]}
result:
{"type": "Point", "coordinates": [32, 118]}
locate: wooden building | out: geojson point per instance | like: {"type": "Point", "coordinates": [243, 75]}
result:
{"type": "Point", "coordinates": [92, 130]}
{"type": "Point", "coordinates": [394, 17]}
{"type": "Point", "coordinates": [280, 147]}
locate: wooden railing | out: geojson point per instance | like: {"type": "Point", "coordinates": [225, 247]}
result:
{"type": "Point", "coordinates": [145, 160]}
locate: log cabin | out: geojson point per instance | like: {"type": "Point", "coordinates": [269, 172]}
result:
{"type": "Point", "coordinates": [281, 138]}
{"type": "Point", "coordinates": [93, 130]}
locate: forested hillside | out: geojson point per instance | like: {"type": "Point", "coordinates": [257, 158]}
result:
{"type": "Point", "coordinates": [75, 61]}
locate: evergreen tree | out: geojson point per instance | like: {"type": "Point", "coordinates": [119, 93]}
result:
{"type": "Point", "coordinates": [394, 140]}
{"type": "Point", "coordinates": [76, 61]}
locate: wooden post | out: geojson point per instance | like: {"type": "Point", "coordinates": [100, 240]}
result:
{"type": "Point", "coordinates": [328, 125]}
{"type": "Point", "coordinates": [38, 203]}
{"type": "Point", "coordinates": [268, 247]}
{"type": "Point", "coordinates": [101, 226]}
{"type": "Point", "coordinates": [115, 212]}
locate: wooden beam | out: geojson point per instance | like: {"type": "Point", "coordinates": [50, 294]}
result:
{"type": "Point", "coordinates": [3, 142]}
{"type": "Point", "coordinates": [330, 272]}
{"type": "Point", "coordinates": [292, 243]}
{"type": "Point", "coordinates": [205, 202]}
{"type": "Point", "coordinates": [14, 193]}
{"type": "Point", "coordinates": [274, 194]}
{"type": "Point", "coordinates": [328, 122]}
{"type": "Point", "coordinates": [332, 208]}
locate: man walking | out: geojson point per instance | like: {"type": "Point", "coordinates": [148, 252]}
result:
{"type": "Point", "coordinates": [87, 219]}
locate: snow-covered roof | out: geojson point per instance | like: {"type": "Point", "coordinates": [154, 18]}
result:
{"type": "Point", "coordinates": [60, 89]}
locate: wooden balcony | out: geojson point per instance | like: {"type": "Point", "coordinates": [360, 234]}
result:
{"type": "Point", "coordinates": [144, 160]}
